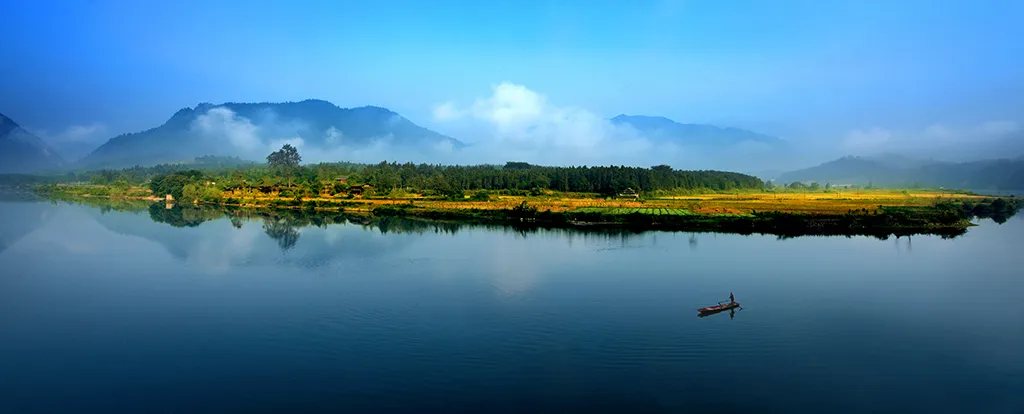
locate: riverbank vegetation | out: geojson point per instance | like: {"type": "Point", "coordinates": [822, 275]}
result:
{"type": "Point", "coordinates": [282, 224]}
{"type": "Point", "coordinates": [656, 197]}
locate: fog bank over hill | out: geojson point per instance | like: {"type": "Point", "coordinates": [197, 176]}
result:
{"type": "Point", "coordinates": [961, 143]}
{"type": "Point", "coordinates": [252, 130]}
{"type": "Point", "coordinates": [511, 122]}
{"type": "Point", "coordinates": [22, 151]}
{"type": "Point", "coordinates": [896, 171]}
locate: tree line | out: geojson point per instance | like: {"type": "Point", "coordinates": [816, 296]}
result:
{"type": "Point", "coordinates": [608, 180]}
{"type": "Point", "coordinates": [283, 173]}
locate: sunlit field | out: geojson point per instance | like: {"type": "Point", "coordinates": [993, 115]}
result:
{"type": "Point", "coordinates": [809, 202]}
{"type": "Point", "coordinates": [821, 202]}
{"type": "Point", "coordinates": [817, 202]}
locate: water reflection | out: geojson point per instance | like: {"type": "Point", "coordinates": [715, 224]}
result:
{"type": "Point", "coordinates": [732, 313]}
{"type": "Point", "coordinates": [400, 309]}
{"type": "Point", "coordinates": [904, 244]}
{"type": "Point", "coordinates": [281, 230]}
{"type": "Point", "coordinates": [20, 217]}
{"type": "Point", "coordinates": [284, 226]}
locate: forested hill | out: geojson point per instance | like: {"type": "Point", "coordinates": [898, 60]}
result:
{"type": "Point", "coordinates": [245, 130]}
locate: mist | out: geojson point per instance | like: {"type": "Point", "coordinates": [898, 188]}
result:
{"type": "Point", "coordinates": [510, 122]}
{"type": "Point", "coordinates": [513, 122]}
{"type": "Point", "coordinates": [75, 141]}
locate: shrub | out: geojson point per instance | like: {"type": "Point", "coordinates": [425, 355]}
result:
{"type": "Point", "coordinates": [482, 195]}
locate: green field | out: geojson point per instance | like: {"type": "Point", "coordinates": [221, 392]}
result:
{"type": "Point", "coordinates": [652, 211]}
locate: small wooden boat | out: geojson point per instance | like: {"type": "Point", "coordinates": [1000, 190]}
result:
{"type": "Point", "coordinates": [719, 307]}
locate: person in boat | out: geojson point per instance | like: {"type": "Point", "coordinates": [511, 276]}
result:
{"type": "Point", "coordinates": [731, 298]}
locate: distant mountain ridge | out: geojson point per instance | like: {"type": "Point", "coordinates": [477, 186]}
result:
{"type": "Point", "coordinates": [324, 131]}
{"type": "Point", "coordinates": [251, 129]}
{"type": "Point", "coordinates": [846, 170]}
{"type": "Point", "coordinates": [23, 152]}
{"type": "Point", "coordinates": [666, 130]}
{"type": "Point", "coordinates": [997, 174]}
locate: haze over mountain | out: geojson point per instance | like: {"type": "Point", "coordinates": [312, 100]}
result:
{"type": "Point", "coordinates": [963, 143]}
{"type": "Point", "coordinates": [514, 123]}
{"type": "Point", "coordinates": [22, 151]}
{"type": "Point", "coordinates": [73, 151]}
{"type": "Point", "coordinates": [660, 128]}
{"type": "Point", "coordinates": [897, 171]}
{"type": "Point", "coordinates": [252, 130]}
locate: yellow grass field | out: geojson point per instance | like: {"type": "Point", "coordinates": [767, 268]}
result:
{"type": "Point", "coordinates": [743, 203]}
{"type": "Point", "coordinates": [819, 202]}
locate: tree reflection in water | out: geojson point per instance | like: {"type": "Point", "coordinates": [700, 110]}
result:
{"type": "Point", "coordinates": [283, 225]}
{"type": "Point", "coordinates": [282, 231]}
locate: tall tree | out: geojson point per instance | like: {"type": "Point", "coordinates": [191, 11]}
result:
{"type": "Point", "coordinates": [287, 158]}
{"type": "Point", "coordinates": [285, 161]}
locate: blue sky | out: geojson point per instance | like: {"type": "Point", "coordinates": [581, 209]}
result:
{"type": "Point", "coordinates": [811, 71]}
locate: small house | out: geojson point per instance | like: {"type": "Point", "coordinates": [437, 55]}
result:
{"type": "Point", "coordinates": [629, 193]}
{"type": "Point", "coordinates": [361, 189]}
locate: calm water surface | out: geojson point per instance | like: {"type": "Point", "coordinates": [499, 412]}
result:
{"type": "Point", "coordinates": [112, 312]}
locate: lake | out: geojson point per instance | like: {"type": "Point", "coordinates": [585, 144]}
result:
{"type": "Point", "coordinates": [112, 312]}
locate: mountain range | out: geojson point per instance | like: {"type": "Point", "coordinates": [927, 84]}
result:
{"type": "Point", "coordinates": [252, 130]}
{"type": "Point", "coordinates": [23, 152]}
{"type": "Point", "coordinates": [899, 171]}
{"type": "Point", "coordinates": [662, 129]}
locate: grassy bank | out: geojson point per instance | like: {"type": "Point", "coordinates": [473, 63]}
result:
{"type": "Point", "coordinates": [870, 212]}
{"type": "Point", "coordinates": [947, 219]}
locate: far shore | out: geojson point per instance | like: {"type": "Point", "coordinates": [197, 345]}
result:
{"type": "Point", "coordinates": [872, 212]}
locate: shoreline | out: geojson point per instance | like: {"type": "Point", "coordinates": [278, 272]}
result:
{"type": "Point", "coordinates": [946, 218]}
{"type": "Point", "coordinates": [891, 222]}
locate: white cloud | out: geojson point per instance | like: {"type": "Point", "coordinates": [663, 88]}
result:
{"type": "Point", "coordinates": [216, 254]}
{"type": "Point", "coordinates": [511, 106]}
{"type": "Point", "coordinates": [964, 141]}
{"type": "Point", "coordinates": [84, 132]}
{"type": "Point", "coordinates": [517, 123]}
{"type": "Point", "coordinates": [222, 122]}
{"type": "Point", "coordinates": [333, 136]}
{"type": "Point", "coordinates": [76, 133]}
{"type": "Point", "coordinates": [249, 139]}
{"type": "Point", "coordinates": [446, 112]}
{"type": "Point", "coordinates": [276, 144]}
